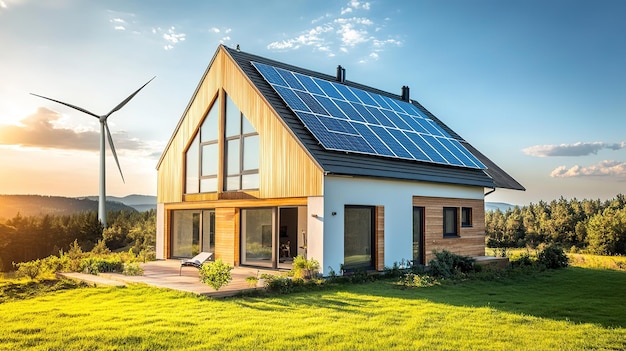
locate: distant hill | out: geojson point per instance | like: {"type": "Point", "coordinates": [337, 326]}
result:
{"type": "Point", "coordinates": [140, 203]}
{"type": "Point", "coordinates": [34, 205]}
{"type": "Point", "coordinates": [502, 206]}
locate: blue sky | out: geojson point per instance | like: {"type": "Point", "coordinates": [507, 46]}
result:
{"type": "Point", "coordinates": [537, 86]}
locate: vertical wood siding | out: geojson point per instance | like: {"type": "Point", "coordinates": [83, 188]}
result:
{"type": "Point", "coordinates": [226, 234]}
{"type": "Point", "coordinates": [285, 169]}
{"type": "Point", "coordinates": [380, 238]}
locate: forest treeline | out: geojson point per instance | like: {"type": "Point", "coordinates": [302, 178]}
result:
{"type": "Point", "coordinates": [39, 205]}
{"type": "Point", "coordinates": [26, 238]}
{"type": "Point", "coordinates": [592, 226]}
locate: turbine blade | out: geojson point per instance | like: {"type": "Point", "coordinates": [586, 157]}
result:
{"type": "Point", "coordinates": [68, 105]}
{"type": "Point", "coordinates": [121, 104]}
{"type": "Point", "coordinates": [113, 149]}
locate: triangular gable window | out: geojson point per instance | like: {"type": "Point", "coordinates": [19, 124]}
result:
{"type": "Point", "coordinates": [240, 151]}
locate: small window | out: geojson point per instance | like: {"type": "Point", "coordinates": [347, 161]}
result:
{"type": "Point", "coordinates": [450, 221]}
{"type": "Point", "coordinates": [466, 217]}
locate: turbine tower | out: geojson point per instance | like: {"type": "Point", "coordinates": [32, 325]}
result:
{"type": "Point", "coordinates": [104, 129]}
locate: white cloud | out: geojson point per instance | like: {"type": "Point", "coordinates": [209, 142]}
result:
{"type": "Point", "coordinates": [576, 149]}
{"type": "Point", "coordinates": [3, 4]}
{"type": "Point", "coordinates": [119, 28]}
{"type": "Point", "coordinates": [173, 37]}
{"type": "Point", "coordinates": [225, 39]}
{"type": "Point", "coordinates": [117, 20]}
{"type": "Point", "coordinates": [352, 36]}
{"type": "Point", "coordinates": [607, 168]}
{"type": "Point", "coordinates": [374, 55]}
{"type": "Point", "coordinates": [215, 30]}
{"type": "Point", "coordinates": [227, 30]}
{"type": "Point", "coordinates": [346, 10]}
{"type": "Point", "coordinates": [337, 33]}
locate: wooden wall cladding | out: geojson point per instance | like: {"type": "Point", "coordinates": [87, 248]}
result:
{"type": "Point", "coordinates": [471, 240]}
{"type": "Point", "coordinates": [380, 238]}
{"type": "Point", "coordinates": [285, 168]}
{"type": "Point", "coordinates": [226, 234]}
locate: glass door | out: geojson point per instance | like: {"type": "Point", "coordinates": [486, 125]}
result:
{"type": "Point", "coordinates": [193, 231]}
{"type": "Point", "coordinates": [358, 237]}
{"type": "Point", "coordinates": [418, 235]}
{"type": "Point", "coordinates": [258, 237]}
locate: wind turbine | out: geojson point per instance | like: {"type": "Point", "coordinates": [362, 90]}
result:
{"type": "Point", "coordinates": [104, 129]}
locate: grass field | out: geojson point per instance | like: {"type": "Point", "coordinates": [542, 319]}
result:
{"type": "Point", "coordinates": [568, 309]}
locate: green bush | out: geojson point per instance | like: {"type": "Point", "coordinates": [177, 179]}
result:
{"type": "Point", "coordinates": [132, 268]}
{"type": "Point", "coordinates": [304, 269]}
{"type": "Point", "coordinates": [216, 274]}
{"type": "Point", "coordinates": [95, 265]}
{"type": "Point", "coordinates": [418, 280]}
{"type": "Point", "coordinates": [30, 269]}
{"type": "Point", "coordinates": [523, 260]}
{"type": "Point", "coordinates": [553, 257]}
{"type": "Point", "coordinates": [447, 264]}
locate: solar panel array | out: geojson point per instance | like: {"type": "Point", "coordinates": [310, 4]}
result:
{"type": "Point", "coordinates": [344, 118]}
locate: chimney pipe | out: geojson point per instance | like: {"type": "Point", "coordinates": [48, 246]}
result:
{"type": "Point", "coordinates": [405, 93]}
{"type": "Point", "coordinates": [341, 74]}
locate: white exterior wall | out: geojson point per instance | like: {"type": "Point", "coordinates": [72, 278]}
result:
{"type": "Point", "coordinates": [160, 232]}
{"type": "Point", "coordinates": [315, 230]}
{"type": "Point", "coordinates": [397, 199]}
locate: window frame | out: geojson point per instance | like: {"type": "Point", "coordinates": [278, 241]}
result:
{"type": "Point", "coordinates": [455, 217]}
{"type": "Point", "coordinates": [467, 220]}
{"type": "Point", "coordinates": [240, 140]}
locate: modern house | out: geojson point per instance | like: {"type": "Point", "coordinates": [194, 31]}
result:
{"type": "Point", "coordinates": [270, 161]}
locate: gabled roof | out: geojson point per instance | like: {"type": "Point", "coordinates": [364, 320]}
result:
{"type": "Point", "coordinates": [356, 164]}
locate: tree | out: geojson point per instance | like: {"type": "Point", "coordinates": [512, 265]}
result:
{"type": "Point", "coordinates": [606, 232]}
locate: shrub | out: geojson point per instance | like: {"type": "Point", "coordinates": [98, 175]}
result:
{"type": "Point", "coordinates": [132, 268]}
{"type": "Point", "coordinates": [447, 264]}
{"type": "Point", "coordinates": [553, 257]}
{"type": "Point", "coordinates": [360, 276]}
{"type": "Point", "coordinates": [523, 260]}
{"type": "Point", "coordinates": [30, 269]}
{"type": "Point", "coordinates": [216, 274]}
{"type": "Point", "coordinates": [418, 280]}
{"type": "Point", "coordinates": [252, 281]}
{"type": "Point", "coordinates": [95, 265]}
{"type": "Point", "coordinates": [281, 285]}
{"type": "Point", "coordinates": [303, 268]}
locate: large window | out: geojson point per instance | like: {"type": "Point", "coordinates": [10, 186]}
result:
{"type": "Point", "coordinates": [202, 156]}
{"type": "Point", "coordinates": [450, 220]}
{"type": "Point", "coordinates": [241, 154]}
{"type": "Point", "coordinates": [193, 231]}
{"type": "Point", "coordinates": [358, 237]}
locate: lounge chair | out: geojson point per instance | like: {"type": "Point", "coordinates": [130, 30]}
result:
{"type": "Point", "coordinates": [195, 261]}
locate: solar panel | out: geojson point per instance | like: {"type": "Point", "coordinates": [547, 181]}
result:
{"type": "Point", "coordinates": [348, 119]}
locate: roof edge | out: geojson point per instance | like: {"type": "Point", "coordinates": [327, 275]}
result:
{"type": "Point", "coordinates": [193, 96]}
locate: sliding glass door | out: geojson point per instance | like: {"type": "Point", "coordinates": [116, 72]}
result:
{"type": "Point", "coordinates": [193, 231]}
{"type": "Point", "coordinates": [257, 237]}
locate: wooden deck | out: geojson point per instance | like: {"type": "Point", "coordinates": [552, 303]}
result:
{"type": "Point", "coordinates": [164, 274]}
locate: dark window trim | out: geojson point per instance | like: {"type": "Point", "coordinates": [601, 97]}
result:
{"type": "Point", "coordinates": [454, 234]}
{"type": "Point", "coordinates": [470, 219]}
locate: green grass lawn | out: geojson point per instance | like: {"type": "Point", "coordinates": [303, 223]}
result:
{"type": "Point", "coordinates": [568, 309]}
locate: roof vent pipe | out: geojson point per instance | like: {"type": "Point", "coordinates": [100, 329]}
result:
{"type": "Point", "coordinates": [341, 74]}
{"type": "Point", "coordinates": [405, 93]}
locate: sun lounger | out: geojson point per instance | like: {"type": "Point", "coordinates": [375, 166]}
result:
{"type": "Point", "coordinates": [195, 261]}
